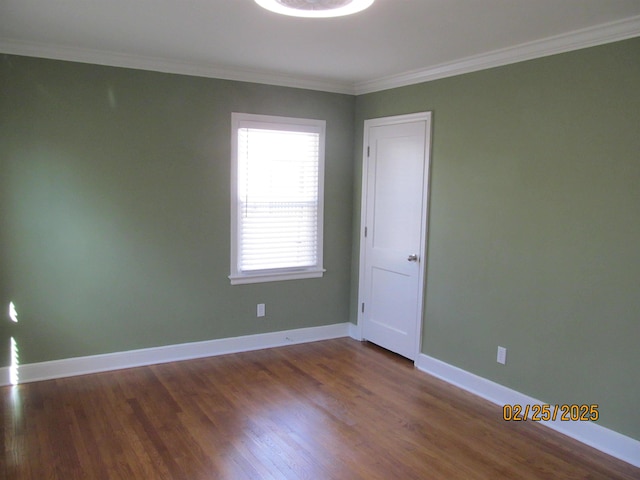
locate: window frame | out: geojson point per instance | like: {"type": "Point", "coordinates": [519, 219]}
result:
{"type": "Point", "coordinates": [271, 122]}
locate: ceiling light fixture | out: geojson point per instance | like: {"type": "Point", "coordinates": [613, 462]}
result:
{"type": "Point", "coordinates": [315, 8]}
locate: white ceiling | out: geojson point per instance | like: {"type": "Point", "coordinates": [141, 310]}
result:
{"type": "Point", "coordinates": [395, 42]}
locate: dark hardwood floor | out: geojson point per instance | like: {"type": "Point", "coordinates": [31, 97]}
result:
{"type": "Point", "coordinates": [337, 409]}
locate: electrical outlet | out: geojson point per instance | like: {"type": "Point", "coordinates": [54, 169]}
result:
{"type": "Point", "coordinates": [260, 311]}
{"type": "Point", "coordinates": [502, 355]}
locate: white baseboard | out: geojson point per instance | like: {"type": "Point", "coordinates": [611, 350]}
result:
{"type": "Point", "coordinates": [355, 331]}
{"type": "Point", "coordinates": [69, 367]}
{"type": "Point", "coordinates": [589, 433]}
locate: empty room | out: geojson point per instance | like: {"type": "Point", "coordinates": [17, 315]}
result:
{"type": "Point", "coordinates": [319, 239]}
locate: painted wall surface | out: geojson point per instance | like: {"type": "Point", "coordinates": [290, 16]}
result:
{"type": "Point", "coordinates": [114, 210]}
{"type": "Point", "coordinates": [114, 217]}
{"type": "Point", "coordinates": [534, 234]}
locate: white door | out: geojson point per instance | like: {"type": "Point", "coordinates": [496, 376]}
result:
{"type": "Point", "coordinates": [393, 240]}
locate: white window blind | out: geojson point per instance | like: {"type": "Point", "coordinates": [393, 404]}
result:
{"type": "Point", "coordinates": [278, 198]}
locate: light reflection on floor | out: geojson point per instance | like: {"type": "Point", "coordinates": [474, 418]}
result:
{"type": "Point", "coordinates": [14, 446]}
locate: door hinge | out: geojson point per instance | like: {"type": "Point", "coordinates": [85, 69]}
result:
{"type": "Point", "coordinates": [362, 307]}
{"type": "Point", "coordinates": [365, 232]}
{"type": "Point", "coordinates": [368, 151]}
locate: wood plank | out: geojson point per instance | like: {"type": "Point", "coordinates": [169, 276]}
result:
{"type": "Point", "coordinates": [337, 409]}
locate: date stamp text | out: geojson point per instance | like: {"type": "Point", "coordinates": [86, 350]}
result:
{"type": "Point", "coordinates": [544, 412]}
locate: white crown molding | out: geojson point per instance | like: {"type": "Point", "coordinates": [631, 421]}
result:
{"type": "Point", "coordinates": [69, 367]}
{"type": "Point", "coordinates": [587, 37]}
{"type": "Point", "coordinates": [589, 433]}
{"type": "Point", "coordinates": [155, 64]}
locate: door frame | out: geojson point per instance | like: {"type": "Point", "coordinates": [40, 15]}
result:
{"type": "Point", "coordinates": [424, 230]}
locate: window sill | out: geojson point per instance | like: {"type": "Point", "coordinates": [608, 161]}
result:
{"type": "Point", "coordinates": [275, 276]}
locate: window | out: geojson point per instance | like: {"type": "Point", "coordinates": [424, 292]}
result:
{"type": "Point", "coordinates": [277, 173]}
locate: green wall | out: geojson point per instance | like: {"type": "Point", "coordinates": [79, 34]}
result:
{"type": "Point", "coordinates": [114, 217]}
{"type": "Point", "coordinates": [114, 210]}
{"type": "Point", "coordinates": [534, 239]}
